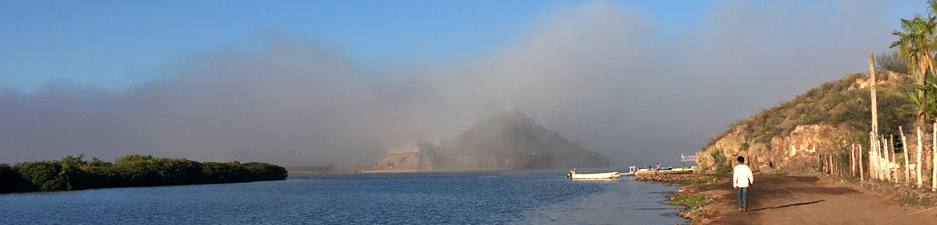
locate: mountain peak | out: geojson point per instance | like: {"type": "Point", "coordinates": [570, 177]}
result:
{"type": "Point", "coordinates": [510, 133]}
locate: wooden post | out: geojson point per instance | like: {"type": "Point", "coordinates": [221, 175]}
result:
{"type": "Point", "coordinates": [892, 176]}
{"type": "Point", "coordinates": [933, 186]}
{"type": "Point", "coordinates": [852, 160]}
{"type": "Point", "coordinates": [878, 160]}
{"type": "Point", "coordinates": [862, 170]}
{"type": "Point", "coordinates": [874, 133]}
{"type": "Point", "coordinates": [826, 165]}
{"type": "Point", "coordinates": [887, 154]}
{"type": "Point", "coordinates": [904, 148]}
{"type": "Point", "coordinates": [855, 161]}
{"type": "Point", "coordinates": [890, 150]}
{"type": "Point", "coordinates": [681, 161]}
{"type": "Point", "coordinates": [873, 157]}
{"type": "Point", "coordinates": [920, 147]}
{"type": "Point", "coordinates": [894, 158]}
{"type": "Point", "coordinates": [884, 149]}
{"type": "Point", "coordinates": [820, 160]}
{"type": "Point", "coordinates": [873, 97]}
{"type": "Point", "coordinates": [879, 166]}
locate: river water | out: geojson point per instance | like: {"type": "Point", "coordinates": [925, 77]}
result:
{"type": "Point", "coordinates": [530, 197]}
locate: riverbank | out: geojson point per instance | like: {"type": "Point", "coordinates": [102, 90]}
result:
{"type": "Point", "coordinates": [808, 199]}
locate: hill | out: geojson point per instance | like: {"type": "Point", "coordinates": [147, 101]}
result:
{"type": "Point", "coordinates": [827, 118]}
{"type": "Point", "coordinates": [507, 140]}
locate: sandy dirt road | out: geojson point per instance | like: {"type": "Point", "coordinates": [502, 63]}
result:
{"type": "Point", "coordinates": [805, 200]}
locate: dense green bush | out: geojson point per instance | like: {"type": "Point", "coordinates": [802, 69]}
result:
{"type": "Point", "coordinates": [12, 181]}
{"type": "Point", "coordinates": [722, 164]}
{"type": "Point", "coordinates": [891, 61]}
{"type": "Point", "coordinates": [74, 173]}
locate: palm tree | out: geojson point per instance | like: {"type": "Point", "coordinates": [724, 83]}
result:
{"type": "Point", "coordinates": [917, 44]}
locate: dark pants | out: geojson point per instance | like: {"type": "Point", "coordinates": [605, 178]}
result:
{"type": "Point", "coordinates": [742, 194]}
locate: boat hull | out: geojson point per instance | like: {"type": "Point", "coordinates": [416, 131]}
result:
{"type": "Point", "coordinates": [594, 176]}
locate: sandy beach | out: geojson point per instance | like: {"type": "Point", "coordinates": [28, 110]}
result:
{"type": "Point", "coordinates": [804, 200]}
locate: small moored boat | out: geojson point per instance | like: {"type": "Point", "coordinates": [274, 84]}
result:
{"type": "Point", "coordinates": [609, 175]}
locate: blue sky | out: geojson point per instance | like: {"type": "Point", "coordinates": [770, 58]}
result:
{"type": "Point", "coordinates": [318, 82]}
{"type": "Point", "coordinates": [115, 44]}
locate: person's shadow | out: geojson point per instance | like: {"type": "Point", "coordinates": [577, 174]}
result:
{"type": "Point", "coordinates": [788, 205]}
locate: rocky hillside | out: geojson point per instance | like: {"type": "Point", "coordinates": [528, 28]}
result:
{"type": "Point", "coordinates": [507, 140]}
{"type": "Point", "coordinates": [789, 136]}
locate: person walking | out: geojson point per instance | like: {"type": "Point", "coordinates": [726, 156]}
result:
{"type": "Point", "coordinates": [742, 178]}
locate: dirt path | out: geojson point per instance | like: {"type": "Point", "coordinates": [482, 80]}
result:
{"type": "Point", "coordinates": [805, 200]}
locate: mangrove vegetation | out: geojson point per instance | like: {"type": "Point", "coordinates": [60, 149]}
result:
{"type": "Point", "coordinates": [75, 173]}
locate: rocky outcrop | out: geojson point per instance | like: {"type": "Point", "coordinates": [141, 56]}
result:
{"type": "Point", "coordinates": [794, 152]}
{"type": "Point", "coordinates": [508, 140]}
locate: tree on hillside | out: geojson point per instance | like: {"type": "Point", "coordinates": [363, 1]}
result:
{"type": "Point", "coordinates": [891, 61]}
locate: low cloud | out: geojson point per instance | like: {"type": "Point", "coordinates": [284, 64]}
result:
{"type": "Point", "coordinates": [597, 73]}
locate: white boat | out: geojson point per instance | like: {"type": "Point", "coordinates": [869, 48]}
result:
{"type": "Point", "coordinates": [609, 175]}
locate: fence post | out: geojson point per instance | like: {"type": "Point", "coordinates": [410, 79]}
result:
{"type": "Point", "coordinates": [920, 147]}
{"type": "Point", "coordinates": [874, 105]}
{"type": "Point", "coordinates": [882, 147]}
{"type": "Point", "coordinates": [873, 163]}
{"type": "Point", "coordinates": [862, 170]}
{"type": "Point", "coordinates": [904, 148]}
{"type": "Point", "coordinates": [852, 160]}
{"type": "Point", "coordinates": [890, 160]}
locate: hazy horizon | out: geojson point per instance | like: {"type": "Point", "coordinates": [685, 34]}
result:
{"type": "Point", "coordinates": [618, 77]}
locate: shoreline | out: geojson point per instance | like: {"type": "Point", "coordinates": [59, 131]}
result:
{"type": "Point", "coordinates": [434, 171]}
{"type": "Point", "coordinates": [351, 171]}
{"type": "Point", "coordinates": [792, 199]}
{"type": "Point", "coordinates": [692, 203]}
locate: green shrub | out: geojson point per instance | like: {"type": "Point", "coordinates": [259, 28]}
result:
{"type": "Point", "coordinates": [684, 199]}
{"type": "Point", "coordinates": [914, 201]}
{"type": "Point", "coordinates": [702, 181]}
{"type": "Point", "coordinates": [722, 164]}
{"type": "Point", "coordinates": [852, 178]}
{"type": "Point", "coordinates": [722, 169]}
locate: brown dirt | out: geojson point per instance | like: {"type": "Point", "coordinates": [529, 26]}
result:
{"type": "Point", "coordinates": [804, 200]}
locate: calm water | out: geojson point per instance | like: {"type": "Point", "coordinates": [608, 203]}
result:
{"type": "Point", "coordinates": [538, 197]}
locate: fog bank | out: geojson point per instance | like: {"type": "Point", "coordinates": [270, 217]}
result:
{"type": "Point", "coordinates": [598, 73]}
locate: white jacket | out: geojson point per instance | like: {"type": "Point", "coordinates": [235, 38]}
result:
{"type": "Point", "coordinates": [742, 176]}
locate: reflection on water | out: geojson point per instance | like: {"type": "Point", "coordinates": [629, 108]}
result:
{"type": "Point", "coordinates": [538, 197]}
{"type": "Point", "coordinates": [624, 202]}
